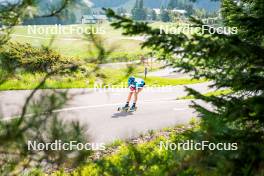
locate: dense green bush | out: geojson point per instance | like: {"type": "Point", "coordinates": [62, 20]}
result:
{"type": "Point", "coordinates": [30, 59]}
{"type": "Point", "coordinates": [146, 159]}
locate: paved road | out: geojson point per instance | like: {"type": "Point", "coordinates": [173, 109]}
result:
{"type": "Point", "coordinates": [156, 109]}
{"type": "Point", "coordinates": [169, 72]}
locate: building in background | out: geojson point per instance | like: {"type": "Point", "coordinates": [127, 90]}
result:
{"type": "Point", "coordinates": [93, 19]}
{"type": "Point", "coordinates": [179, 12]}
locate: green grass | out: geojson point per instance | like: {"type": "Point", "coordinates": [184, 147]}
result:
{"type": "Point", "coordinates": [75, 44]}
{"type": "Point", "coordinates": [213, 93]}
{"type": "Point", "coordinates": [159, 81]}
{"type": "Point", "coordinates": [125, 160]}
{"type": "Point", "coordinates": [79, 48]}
{"type": "Point", "coordinates": [114, 77]}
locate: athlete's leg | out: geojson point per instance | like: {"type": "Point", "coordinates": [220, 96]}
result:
{"type": "Point", "coordinates": [136, 96]}
{"type": "Point", "coordinates": [129, 97]}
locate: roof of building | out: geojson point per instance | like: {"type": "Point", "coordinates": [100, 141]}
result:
{"type": "Point", "coordinates": [95, 17]}
{"type": "Point", "coordinates": [157, 11]}
{"type": "Point", "coordinates": [179, 11]}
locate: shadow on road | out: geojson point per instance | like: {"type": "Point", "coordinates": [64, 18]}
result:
{"type": "Point", "coordinates": [121, 114]}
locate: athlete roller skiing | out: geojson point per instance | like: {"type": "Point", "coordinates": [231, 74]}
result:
{"type": "Point", "coordinates": [135, 86]}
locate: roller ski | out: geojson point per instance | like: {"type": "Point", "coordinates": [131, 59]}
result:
{"type": "Point", "coordinates": [123, 109]}
{"type": "Point", "coordinates": [132, 109]}
{"type": "Point", "coordinates": [127, 109]}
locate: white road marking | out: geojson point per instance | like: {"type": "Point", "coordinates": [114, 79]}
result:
{"type": "Point", "coordinates": [165, 100]}
{"type": "Point", "coordinates": [179, 109]}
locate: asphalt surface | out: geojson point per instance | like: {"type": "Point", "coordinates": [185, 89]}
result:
{"type": "Point", "coordinates": [157, 108]}
{"type": "Point", "coordinates": [169, 72]}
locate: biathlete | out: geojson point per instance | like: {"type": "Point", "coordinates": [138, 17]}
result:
{"type": "Point", "coordinates": [135, 86]}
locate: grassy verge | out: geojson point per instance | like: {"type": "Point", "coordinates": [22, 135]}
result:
{"type": "Point", "coordinates": [114, 77]}
{"type": "Point", "coordinates": [63, 43]}
{"type": "Point", "coordinates": [159, 81]}
{"type": "Point", "coordinates": [208, 94]}
{"type": "Point", "coordinates": [143, 157]}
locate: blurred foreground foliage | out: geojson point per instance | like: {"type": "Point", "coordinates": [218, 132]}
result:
{"type": "Point", "coordinates": [38, 119]}
{"type": "Point", "coordinates": [233, 61]}
{"type": "Point", "coordinates": [41, 124]}
{"type": "Point", "coordinates": [16, 56]}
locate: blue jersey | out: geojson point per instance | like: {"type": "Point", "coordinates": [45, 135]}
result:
{"type": "Point", "coordinates": [136, 82]}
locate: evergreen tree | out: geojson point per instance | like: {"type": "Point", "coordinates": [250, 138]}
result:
{"type": "Point", "coordinates": [172, 4]}
{"type": "Point", "coordinates": [232, 60]}
{"type": "Point", "coordinates": [200, 13]}
{"type": "Point", "coordinates": [136, 4]}
{"type": "Point", "coordinates": [153, 15]}
{"type": "Point", "coordinates": [164, 15]}
{"type": "Point", "coordinates": [120, 11]}
{"type": "Point", "coordinates": [181, 4]}
{"type": "Point", "coordinates": [143, 13]}
{"type": "Point", "coordinates": [189, 9]}
{"type": "Point", "coordinates": [139, 12]}
{"type": "Point", "coordinates": [36, 122]}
